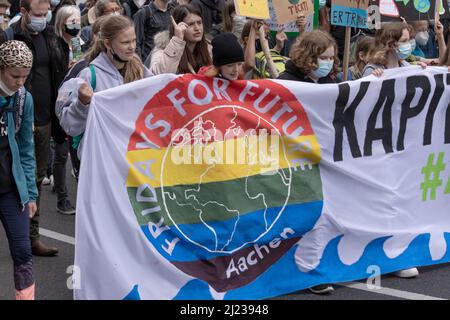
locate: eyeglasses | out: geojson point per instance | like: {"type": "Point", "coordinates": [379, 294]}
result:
{"type": "Point", "coordinates": [115, 12]}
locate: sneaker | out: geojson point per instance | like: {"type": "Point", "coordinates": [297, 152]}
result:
{"type": "Point", "coordinates": [322, 289]}
{"type": "Point", "coordinates": [65, 208]}
{"type": "Point", "coordinates": [407, 273]}
{"type": "Point", "coordinates": [52, 183]}
{"type": "Point", "coordinates": [46, 181]}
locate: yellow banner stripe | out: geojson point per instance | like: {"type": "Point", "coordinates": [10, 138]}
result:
{"type": "Point", "coordinates": [219, 161]}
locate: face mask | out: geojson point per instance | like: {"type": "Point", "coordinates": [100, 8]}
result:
{"type": "Point", "coordinates": [322, 3]}
{"type": "Point", "coordinates": [139, 3]}
{"type": "Point", "coordinates": [72, 29]}
{"type": "Point", "coordinates": [37, 24]}
{"type": "Point", "coordinates": [49, 16]}
{"type": "Point", "coordinates": [422, 37]}
{"type": "Point", "coordinates": [413, 44]}
{"type": "Point", "coordinates": [324, 68]}
{"type": "Point", "coordinates": [404, 51]}
{"type": "Point", "coordinates": [117, 58]}
{"type": "Point", "coordinates": [55, 3]}
{"type": "Point", "coordinates": [4, 89]}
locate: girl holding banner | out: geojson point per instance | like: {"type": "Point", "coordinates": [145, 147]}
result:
{"type": "Point", "coordinates": [112, 62]}
{"type": "Point", "coordinates": [313, 59]}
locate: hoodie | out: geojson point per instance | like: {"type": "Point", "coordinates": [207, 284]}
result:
{"type": "Point", "coordinates": [73, 114]}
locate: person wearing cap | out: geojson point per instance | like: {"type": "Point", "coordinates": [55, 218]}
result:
{"type": "Point", "coordinates": [18, 191]}
{"type": "Point", "coordinates": [228, 58]}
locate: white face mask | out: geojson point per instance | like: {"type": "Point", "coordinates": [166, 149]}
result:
{"type": "Point", "coordinates": [139, 3]}
{"type": "Point", "coordinates": [5, 90]}
{"type": "Point", "coordinates": [422, 37]}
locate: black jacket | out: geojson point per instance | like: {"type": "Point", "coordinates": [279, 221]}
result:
{"type": "Point", "coordinates": [149, 21]}
{"type": "Point", "coordinates": [211, 11]}
{"type": "Point", "coordinates": [130, 7]}
{"type": "Point", "coordinates": [295, 74]}
{"type": "Point", "coordinates": [59, 56]}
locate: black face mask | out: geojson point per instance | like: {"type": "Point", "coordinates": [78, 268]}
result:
{"type": "Point", "coordinates": [73, 31]}
{"type": "Point", "coordinates": [116, 57]}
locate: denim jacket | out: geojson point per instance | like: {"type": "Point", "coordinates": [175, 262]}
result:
{"type": "Point", "coordinates": [21, 142]}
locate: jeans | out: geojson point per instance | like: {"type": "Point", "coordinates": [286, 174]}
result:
{"type": "Point", "coordinates": [16, 222]}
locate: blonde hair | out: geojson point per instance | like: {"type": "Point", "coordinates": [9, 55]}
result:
{"type": "Point", "coordinates": [63, 14]}
{"type": "Point", "coordinates": [110, 28]}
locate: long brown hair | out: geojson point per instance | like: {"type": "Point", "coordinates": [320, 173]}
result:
{"type": "Point", "coordinates": [386, 41]}
{"type": "Point", "coordinates": [200, 56]}
{"type": "Point", "coordinates": [309, 46]}
{"type": "Point", "coordinates": [364, 45]}
{"type": "Point", "coordinates": [110, 28]}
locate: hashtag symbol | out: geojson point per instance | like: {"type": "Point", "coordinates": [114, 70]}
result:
{"type": "Point", "coordinates": [433, 170]}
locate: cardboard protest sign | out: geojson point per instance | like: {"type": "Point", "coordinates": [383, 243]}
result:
{"type": "Point", "coordinates": [349, 13]}
{"type": "Point", "coordinates": [290, 28]}
{"type": "Point", "coordinates": [289, 10]}
{"type": "Point", "coordinates": [258, 9]}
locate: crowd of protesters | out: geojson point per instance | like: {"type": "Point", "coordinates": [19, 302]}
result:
{"type": "Point", "coordinates": [107, 43]}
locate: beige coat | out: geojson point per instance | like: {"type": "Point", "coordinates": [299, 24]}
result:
{"type": "Point", "coordinates": [166, 55]}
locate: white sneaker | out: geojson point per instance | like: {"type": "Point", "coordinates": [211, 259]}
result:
{"type": "Point", "coordinates": [322, 289]}
{"type": "Point", "coordinates": [407, 273]}
{"type": "Point", "coordinates": [46, 181]}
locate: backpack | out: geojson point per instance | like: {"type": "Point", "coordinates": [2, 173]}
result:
{"type": "Point", "coordinates": [17, 108]}
{"type": "Point", "coordinates": [261, 69]}
{"type": "Point", "coordinates": [77, 139]}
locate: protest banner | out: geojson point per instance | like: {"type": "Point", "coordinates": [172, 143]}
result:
{"type": "Point", "coordinates": [258, 9]}
{"type": "Point", "coordinates": [200, 188]}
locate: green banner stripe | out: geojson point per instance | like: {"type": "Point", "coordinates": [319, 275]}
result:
{"type": "Point", "coordinates": [219, 201]}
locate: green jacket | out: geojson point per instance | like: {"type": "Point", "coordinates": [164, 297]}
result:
{"type": "Point", "coordinates": [21, 142]}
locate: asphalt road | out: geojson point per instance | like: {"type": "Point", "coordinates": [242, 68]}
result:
{"type": "Point", "coordinates": [51, 276]}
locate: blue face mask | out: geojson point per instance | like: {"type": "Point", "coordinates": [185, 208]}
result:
{"type": "Point", "coordinates": [404, 51]}
{"type": "Point", "coordinates": [37, 24]}
{"type": "Point", "coordinates": [49, 16]}
{"type": "Point", "coordinates": [322, 3]}
{"type": "Point", "coordinates": [324, 68]}
{"type": "Point", "coordinates": [413, 44]}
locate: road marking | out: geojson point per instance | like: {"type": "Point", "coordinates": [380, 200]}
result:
{"type": "Point", "coordinates": [389, 292]}
{"type": "Point", "coordinates": [57, 236]}
{"type": "Point", "coordinates": [352, 285]}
